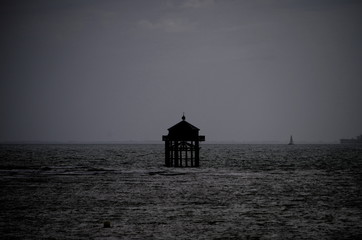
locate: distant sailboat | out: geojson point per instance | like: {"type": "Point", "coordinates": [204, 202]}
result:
{"type": "Point", "coordinates": [291, 141]}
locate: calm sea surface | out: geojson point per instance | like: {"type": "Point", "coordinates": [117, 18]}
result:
{"type": "Point", "coordinates": [239, 192]}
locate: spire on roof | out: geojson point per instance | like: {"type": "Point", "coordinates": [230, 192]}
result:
{"type": "Point", "coordinates": [183, 117]}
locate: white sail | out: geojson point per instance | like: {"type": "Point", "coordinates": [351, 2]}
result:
{"type": "Point", "coordinates": [291, 142]}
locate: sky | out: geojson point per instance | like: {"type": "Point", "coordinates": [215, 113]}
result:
{"type": "Point", "coordinates": [240, 70]}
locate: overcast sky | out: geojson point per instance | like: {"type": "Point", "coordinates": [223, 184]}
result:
{"type": "Point", "coordinates": [253, 70]}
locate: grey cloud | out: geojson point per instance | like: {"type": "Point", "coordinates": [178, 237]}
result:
{"type": "Point", "coordinates": [191, 4]}
{"type": "Point", "coordinates": [168, 25]}
{"type": "Point", "coordinates": [198, 3]}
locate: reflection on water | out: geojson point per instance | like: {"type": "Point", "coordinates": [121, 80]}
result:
{"type": "Point", "coordinates": [240, 192]}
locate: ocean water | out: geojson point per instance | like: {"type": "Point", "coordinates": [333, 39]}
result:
{"type": "Point", "coordinates": [239, 192]}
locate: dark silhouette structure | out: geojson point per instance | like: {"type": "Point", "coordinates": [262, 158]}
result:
{"type": "Point", "coordinates": [357, 140]}
{"type": "Point", "coordinates": [182, 145]}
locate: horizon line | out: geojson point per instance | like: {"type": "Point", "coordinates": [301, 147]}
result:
{"type": "Point", "coordinates": [160, 142]}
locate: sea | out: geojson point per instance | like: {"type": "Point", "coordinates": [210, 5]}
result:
{"type": "Point", "coordinates": [240, 191]}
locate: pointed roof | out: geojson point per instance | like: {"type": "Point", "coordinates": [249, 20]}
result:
{"type": "Point", "coordinates": [183, 131]}
{"type": "Point", "coordinates": [183, 126]}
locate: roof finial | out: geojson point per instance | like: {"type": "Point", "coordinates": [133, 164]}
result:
{"type": "Point", "coordinates": [183, 117]}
